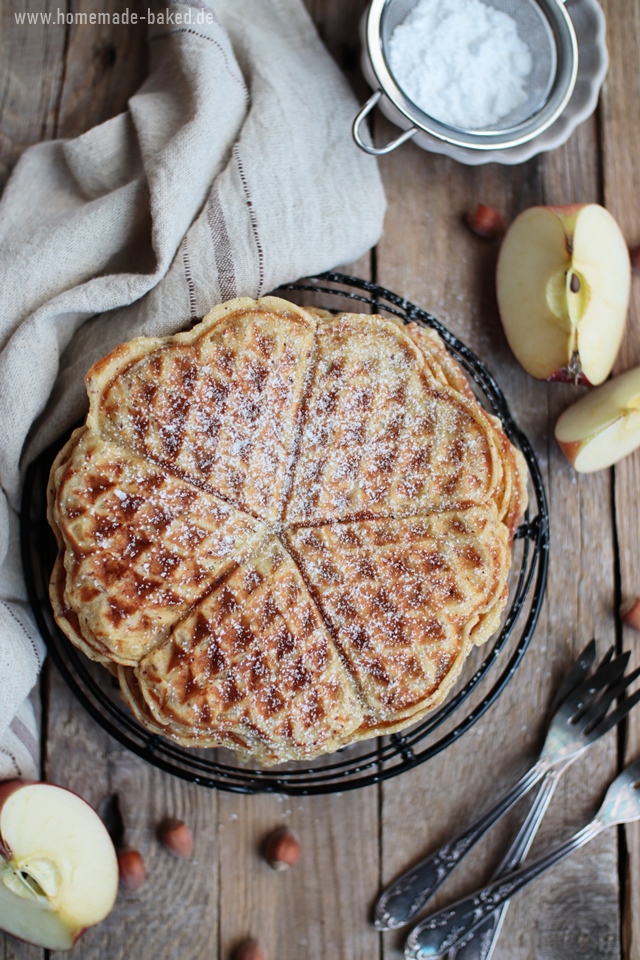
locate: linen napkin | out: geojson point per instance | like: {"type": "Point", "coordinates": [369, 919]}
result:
{"type": "Point", "coordinates": [232, 171]}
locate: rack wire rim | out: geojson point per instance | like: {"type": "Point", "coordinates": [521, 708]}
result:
{"type": "Point", "coordinates": [346, 773]}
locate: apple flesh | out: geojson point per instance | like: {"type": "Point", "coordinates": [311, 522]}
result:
{"type": "Point", "coordinates": [563, 282]}
{"type": "Point", "coordinates": [604, 425]}
{"type": "Point", "coordinates": [58, 868]}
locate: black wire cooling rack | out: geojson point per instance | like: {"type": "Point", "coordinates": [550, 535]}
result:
{"type": "Point", "coordinates": [352, 767]}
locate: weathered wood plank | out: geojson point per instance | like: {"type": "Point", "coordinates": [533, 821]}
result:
{"type": "Point", "coordinates": [620, 128]}
{"type": "Point", "coordinates": [428, 255]}
{"type": "Point", "coordinates": [60, 79]}
{"type": "Point", "coordinates": [87, 73]}
{"type": "Point", "coordinates": [174, 916]}
{"type": "Point", "coordinates": [31, 73]}
{"type": "Point", "coordinates": [319, 908]}
{"type": "Point", "coordinates": [33, 64]}
{"type": "Point", "coordinates": [104, 64]}
{"type": "Point", "coordinates": [12, 949]}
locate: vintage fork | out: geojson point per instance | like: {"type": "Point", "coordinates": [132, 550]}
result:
{"type": "Point", "coordinates": [572, 730]}
{"type": "Point", "coordinates": [436, 935]}
{"type": "Point", "coordinates": [480, 944]}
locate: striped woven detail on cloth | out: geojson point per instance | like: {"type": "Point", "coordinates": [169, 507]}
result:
{"type": "Point", "coordinates": [19, 746]}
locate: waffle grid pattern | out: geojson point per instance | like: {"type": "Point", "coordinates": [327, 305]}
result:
{"type": "Point", "coordinates": [256, 602]}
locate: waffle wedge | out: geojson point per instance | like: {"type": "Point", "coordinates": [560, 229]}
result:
{"type": "Point", "coordinates": [284, 530]}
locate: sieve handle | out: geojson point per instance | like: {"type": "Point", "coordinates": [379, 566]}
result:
{"type": "Point", "coordinates": [369, 148]}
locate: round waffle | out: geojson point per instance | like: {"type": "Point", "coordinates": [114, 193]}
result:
{"type": "Point", "coordinates": [283, 530]}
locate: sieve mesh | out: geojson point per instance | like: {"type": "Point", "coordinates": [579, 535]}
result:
{"type": "Point", "coordinates": [539, 26]}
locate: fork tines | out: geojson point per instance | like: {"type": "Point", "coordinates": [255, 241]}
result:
{"type": "Point", "coordinates": [589, 703]}
{"type": "Point", "coordinates": [608, 672]}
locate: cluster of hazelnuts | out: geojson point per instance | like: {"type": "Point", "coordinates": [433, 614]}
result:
{"type": "Point", "coordinates": [173, 834]}
{"type": "Point", "coordinates": [281, 850]}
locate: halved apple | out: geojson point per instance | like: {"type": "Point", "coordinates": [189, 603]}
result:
{"type": "Point", "coordinates": [563, 283]}
{"type": "Point", "coordinates": [604, 425]}
{"type": "Point", "coordinates": [58, 868]}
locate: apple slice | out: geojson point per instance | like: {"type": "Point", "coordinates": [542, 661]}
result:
{"type": "Point", "coordinates": [563, 282]}
{"type": "Point", "coordinates": [58, 868]}
{"type": "Point", "coordinates": [604, 425]}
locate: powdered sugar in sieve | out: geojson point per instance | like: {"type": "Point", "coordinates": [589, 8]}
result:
{"type": "Point", "coordinates": [461, 61]}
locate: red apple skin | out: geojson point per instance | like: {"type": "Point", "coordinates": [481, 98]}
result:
{"type": "Point", "coordinates": [571, 449]}
{"type": "Point", "coordinates": [7, 787]}
{"type": "Point", "coordinates": [567, 209]}
{"type": "Point", "coordinates": [22, 940]}
{"type": "Point", "coordinates": [565, 376]}
{"type": "Point", "coordinates": [568, 214]}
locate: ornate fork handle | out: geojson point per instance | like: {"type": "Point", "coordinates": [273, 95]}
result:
{"type": "Point", "coordinates": [406, 897]}
{"type": "Point", "coordinates": [481, 942]}
{"type": "Point", "coordinates": [445, 929]}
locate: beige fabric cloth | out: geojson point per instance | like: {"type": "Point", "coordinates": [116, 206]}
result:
{"type": "Point", "coordinates": [232, 171]}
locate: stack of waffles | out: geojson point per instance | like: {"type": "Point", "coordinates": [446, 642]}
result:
{"type": "Point", "coordinates": [283, 531]}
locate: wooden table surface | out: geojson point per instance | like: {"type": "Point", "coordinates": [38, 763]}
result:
{"type": "Point", "coordinates": [59, 81]}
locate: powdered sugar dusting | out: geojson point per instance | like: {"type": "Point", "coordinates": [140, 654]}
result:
{"type": "Point", "coordinates": [292, 529]}
{"type": "Point", "coordinates": [461, 62]}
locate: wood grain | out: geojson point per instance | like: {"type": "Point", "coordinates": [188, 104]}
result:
{"type": "Point", "coordinates": [62, 80]}
{"type": "Point", "coordinates": [318, 909]}
{"type": "Point", "coordinates": [31, 74]}
{"type": "Point", "coordinates": [58, 80]}
{"type": "Point", "coordinates": [620, 131]}
{"type": "Point", "coordinates": [428, 255]}
{"type": "Point", "coordinates": [104, 65]}
{"type": "Point", "coordinates": [12, 949]}
{"type": "Point", "coordinates": [175, 913]}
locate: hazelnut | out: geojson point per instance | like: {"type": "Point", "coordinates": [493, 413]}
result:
{"type": "Point", "coordinates": [635, 258]}
{"type": "Point", "coordinates": [131, 869]}
{"type": "Point", "coordinates": [630, 613]}
{"type": "Point", "coordinates": [486, 222]}
{"type": "Point", "coordinates": [282, 849]}
{"type": "Point", "coordinates": [176, 837]}
{"type": "Point", "coordinates": [250, 950]}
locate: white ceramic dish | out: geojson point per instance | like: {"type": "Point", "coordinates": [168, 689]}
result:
{"type": "Point", "coordinates": [590, 27]}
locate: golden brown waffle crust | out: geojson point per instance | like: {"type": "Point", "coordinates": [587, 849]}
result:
{"type": "Point", "coordinates": [283, 530]}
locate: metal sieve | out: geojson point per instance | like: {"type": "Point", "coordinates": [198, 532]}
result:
{"type": "Point", "coordinates": [543, 25]}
